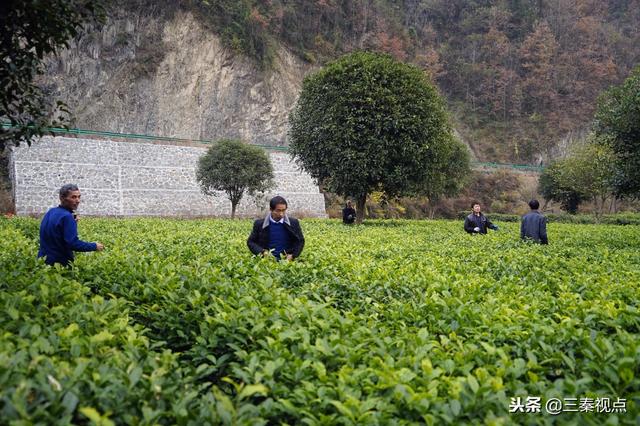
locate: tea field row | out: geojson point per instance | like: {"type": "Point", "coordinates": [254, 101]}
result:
{"type": "Point", "coordinates": [393, 322]}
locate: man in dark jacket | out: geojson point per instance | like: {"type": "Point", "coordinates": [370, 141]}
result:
{"type": "Point", "coordinates": [59, 230]}
{"type": "Point", "coordinates": [277, 234]}
{"type": "Point", "coordinates": [348, 214]}
{"type": "Point", "coordinates": [534, 224]}
{"type": "Point", "coordinates": [476, 222]}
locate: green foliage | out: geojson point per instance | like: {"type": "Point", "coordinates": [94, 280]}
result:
{"type": "Point", "coordinates": [617, 120]}
{"type": "Point", "coordinates": [176, 323]}
{"type": "Point", "coordinates": [235, 168]}
{"type": "Point", "coordinates": [553, 188]}
{"type": "Point", "coordinates": [454, 173]}
{"type": "Point", "coordinates": [31, 30]}
{"type": "Point", "coordinates": [586, 174]}
{"type": "Point", "coordinates": [590, 170]}
{"type": "Point", "coordinates": [242, 26]}
{"type": "Point", "coordinates": [367, 122]}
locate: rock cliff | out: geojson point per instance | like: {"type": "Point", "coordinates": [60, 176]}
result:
{"type": "Point", "coordinates": [165, 74]}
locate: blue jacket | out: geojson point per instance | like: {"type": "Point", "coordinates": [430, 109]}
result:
{"type": "Point", "coordinates": [59, 237]}
{"type": "Point", "coordinates": [258, 241]}
{"type": "Point", "coordinates": [534, 226]}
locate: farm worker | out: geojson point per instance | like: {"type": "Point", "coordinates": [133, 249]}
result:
{"type": "Point", "coordinates": [277, 234]}
{"type": "Point", "coordinates": [534, 224]}
{"type": "Point", "coordinates": [59, 230]}
{"type": "Point", "coordinates": [348, 214]}
{"type": "Point", "coordinates": [476, 222]}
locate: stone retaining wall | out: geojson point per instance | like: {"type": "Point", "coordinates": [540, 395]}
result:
{"type": "Point", "coordinates": [141, 179]}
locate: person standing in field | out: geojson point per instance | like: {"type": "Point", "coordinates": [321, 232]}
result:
{"type": "Point", "coordinates": [277, 234]}
{"type": "Point", "coordinates": [476, 222]}
{"type": "Point", "coordinates": [534, 225]}
{"type": "Point", "coordinates": [59, 230]}
{"type": "Point", "coordinates": [348, 214]}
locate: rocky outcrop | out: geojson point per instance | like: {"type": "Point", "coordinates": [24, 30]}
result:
{"type": "Point", "coordinates": [164, 74]}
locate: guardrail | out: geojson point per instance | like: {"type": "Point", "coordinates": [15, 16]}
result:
{"type": "Point", "coordinates": [521, 167]}
{"type": "Point", "coordinates": [75, 131]}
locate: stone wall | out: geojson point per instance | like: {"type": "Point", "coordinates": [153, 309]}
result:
{"type": "Point", "coordinates": [141, 179]}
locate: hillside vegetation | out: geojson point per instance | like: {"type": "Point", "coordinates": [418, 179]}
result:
{"type": "Point", "coordinates": [519, 75]}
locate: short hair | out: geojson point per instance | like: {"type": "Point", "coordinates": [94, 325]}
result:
{"type": "Point", "coordinates": [277, 200]}
{"type": "Point", "coordinates": [66, 189]}
{"type": "Point", "coordinates": [474, 203]}
{"type": "Point", "coordinates": [534, 204]}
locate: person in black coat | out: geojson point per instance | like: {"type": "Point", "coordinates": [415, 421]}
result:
{"type": "Point", "coordinates": [348, 214]}
{"type": "Point", "coordinates": [534, 225]}
{"type": "Point", "coordinates": [277, 234]}
{"type": "Point", "coordinates": [476, 222]}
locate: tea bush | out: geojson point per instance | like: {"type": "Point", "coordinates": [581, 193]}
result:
{"type": "Point", "coordinates": [394, 322]}
{"type": "Point", "coordinates": [584, 219]}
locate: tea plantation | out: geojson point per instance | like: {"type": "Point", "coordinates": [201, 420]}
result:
{"type": "Point", "coordinates": [394, 322]}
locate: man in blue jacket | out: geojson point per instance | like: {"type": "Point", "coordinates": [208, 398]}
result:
{"type": "Point", "coordinates": [534, 225]}
{"type": "Point", "coordinates": [59, 230]}
{"type": "Point", "coordinates": [277, 234]}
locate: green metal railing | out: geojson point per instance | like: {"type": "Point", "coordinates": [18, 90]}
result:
{"type": "Point", "coordinates": [75, 131]}
{"type": "Point", "coordinates": [523, 167]}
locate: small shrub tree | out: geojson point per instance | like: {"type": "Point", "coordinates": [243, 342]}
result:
{"type": "Point", "coordinates": [367, 122]}
{"type": "Point", "coordinates": [235, 168]}
{"type": "Point", "coordinates": [587, 174]}
{"type": "Point", "coordinates": [553, 188]}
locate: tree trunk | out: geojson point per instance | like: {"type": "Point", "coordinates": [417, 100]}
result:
{"type": "Point", "coordinates": [432, 206]}
{"type": "Point", "coordinates": [234, 195]}
{"type": "Point", "coordinates": [600, 201]}
{"type": "Point", "coordinates": [360, 204]}
{"type": "Point", "coordinates": [234, 204]}
{"type": "Point", "coordinates": [544, 206]}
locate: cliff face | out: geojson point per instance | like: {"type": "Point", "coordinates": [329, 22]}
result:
{"type": "Point", "coordinates": [165, 74]}
{"type": "Point", "coordinates": [518, 76]}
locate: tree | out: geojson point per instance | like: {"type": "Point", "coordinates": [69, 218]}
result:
{"type": "Point", "coordinates": [586, 174]}
{"type": "Point", "coordinates": [368, 123]}
{"type": "Point", "coordinates": [553, 187]}
{"type": "Point", "coordinates": [590, 171]}
{"type": "Point", "coordinates": [450, 179]}
{"type": "Point", "coordinates": [235, 168]}
{"type": "Point", "coordinates": [498, 86]}
{"type": "Point", "coordinates": [537, 55]}
{"type": "Point", "coordinates": [29, 31]}
{"type": "Point", "coordinates": [617, 121]}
